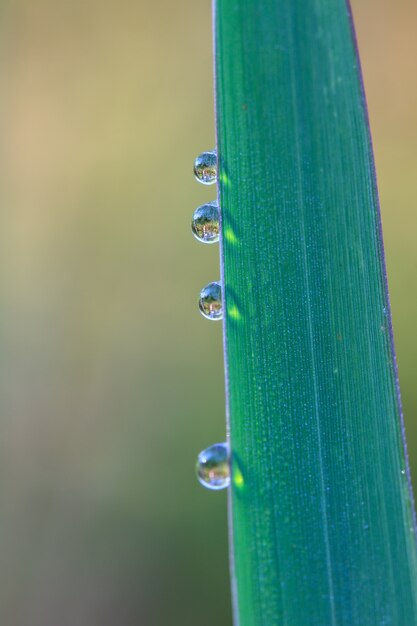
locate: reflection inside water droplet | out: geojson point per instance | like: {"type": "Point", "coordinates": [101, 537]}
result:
{"type": "Point", "coordinates": [210, 302]}
{"type": "Point", "coordinates": [212, 468]}
{"type": "Point", "coordinates": [205, 224]}
{"type": "Point", "coordinates": [205, 168]}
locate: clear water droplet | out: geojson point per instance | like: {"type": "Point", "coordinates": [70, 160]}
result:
{"type": "Point", "coordinates": [205, 168]}
{"type": "Point", "coordinates": [213, 470]}
{"type": "Point", "coordinates": [210, 302]}
{"type": "Point", "coordinates": [205, 224]}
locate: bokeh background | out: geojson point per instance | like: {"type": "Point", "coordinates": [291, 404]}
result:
{"type": "Point", "coordinates": [110, 381]}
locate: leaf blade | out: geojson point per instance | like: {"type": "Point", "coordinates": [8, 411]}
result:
{"type": "Point", "coordinates": [322, 515]}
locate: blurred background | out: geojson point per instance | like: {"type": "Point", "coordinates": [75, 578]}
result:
{"type": "Point", "coordinates": [110, 381]}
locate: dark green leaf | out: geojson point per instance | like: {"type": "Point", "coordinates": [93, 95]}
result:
{"type": "Point", "coordinates": [321, 514]}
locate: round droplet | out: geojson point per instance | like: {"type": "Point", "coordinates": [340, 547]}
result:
{"type": "Point", "coordinates": [205, 224]}
{"type": "Point", "coordinates": [210, 302]}
{"type": "Point", "coordinates": [212, 467]}
{"type": "Point", "coordinates": [205, 168]}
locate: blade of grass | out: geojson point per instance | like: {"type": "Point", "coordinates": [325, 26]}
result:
{"type": "Point", "coordinates": [321, 514]}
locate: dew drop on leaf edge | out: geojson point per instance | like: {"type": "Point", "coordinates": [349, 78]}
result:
{"type": "Point", "coordinates": [206, 223]}
{"type": "Point", "coordinates": [213, 467]}
{"type": "Point", "coordinates": [210, 302]}
{"type": "Point", "coordinates": [205, 168]}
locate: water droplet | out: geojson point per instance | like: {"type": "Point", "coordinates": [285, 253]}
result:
{"type": "Point", "coordinates": [212, 467]}
{"type": "Point", "coordinates": [205, 224]}
{"type": "Point", "coordinates": [210, 302]}
{"type": "Point", "coordinates": [205, 168]}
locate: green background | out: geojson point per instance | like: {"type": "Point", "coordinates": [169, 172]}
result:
{"type": "Point", "coordinates": [111, 382]}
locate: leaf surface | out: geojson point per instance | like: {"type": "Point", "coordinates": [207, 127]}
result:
{"type": "Point", "coordinates": [321, 514]}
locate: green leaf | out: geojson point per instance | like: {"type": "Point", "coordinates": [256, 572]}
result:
{"type": "Point", "coordinates": [321, 514]}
